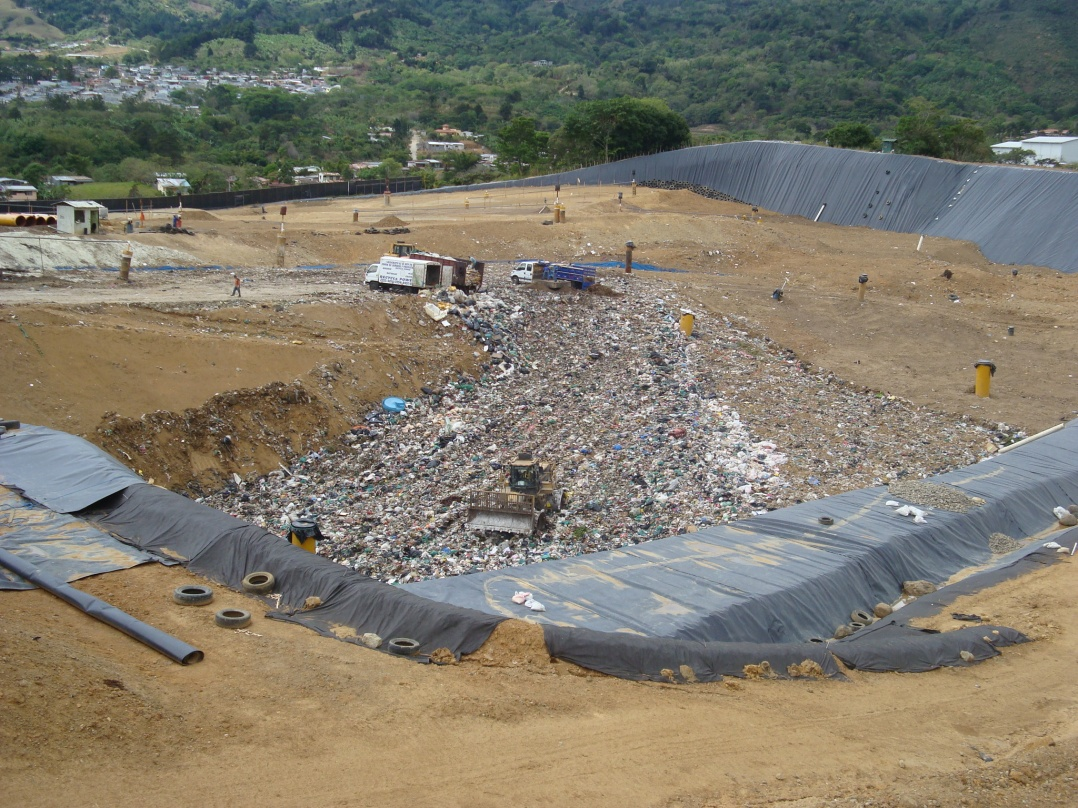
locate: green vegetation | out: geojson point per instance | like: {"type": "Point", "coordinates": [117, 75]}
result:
{"type": "Point", "coordinates": [556, 84]}
{"type": "Point", "coordinates": [108, 190]}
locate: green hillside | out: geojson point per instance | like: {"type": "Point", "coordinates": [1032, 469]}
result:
{"type": "Point", "coordinates": [774, 67]}
{"type": "Point", "coordinates": [544, 84]}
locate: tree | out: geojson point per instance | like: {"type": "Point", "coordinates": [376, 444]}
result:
{"type": "Point", "coordinates": [964, 140]}
{"type": "Point", "coordinates": [852, 136]}
{"type": "Point", "coordinates": [521, 145]}
{"type": "Point", "coordinates": [263, 104]}
{"type": "Point", "coordinates": [1018, 157]}
{"type": "Point", "coordinates": [601, 131]}
{"type": "Point", "coordinates": [34, 173]}
{"type": "Point", "coordinates": [927, 131]}
{"type": "Point", "coordinates": [919, 131]}
{"type": "Point", "coordinates": [390, 169]}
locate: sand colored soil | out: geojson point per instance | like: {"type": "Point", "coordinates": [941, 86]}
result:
{"type": "Point", "coordinates": [159, 370]}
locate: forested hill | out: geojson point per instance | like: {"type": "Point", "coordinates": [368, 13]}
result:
{"type": "Point", "coordinates": [774, 66]}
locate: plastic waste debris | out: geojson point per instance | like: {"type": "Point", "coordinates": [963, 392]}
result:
{"type": "Point", "coordinates": [658, 436]}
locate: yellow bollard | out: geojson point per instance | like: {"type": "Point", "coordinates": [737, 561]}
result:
{"type": "Point", "coordinates": [282, 240]}
{"type": "Point", "coordinates": [355, 215]}
{"type": "Point", "coordinates": [687, 322]}
{"type": "Point", "coordinates": [304, 533]}
{"type": "Point", "coordinates": [467, 203]}
{"type": "Point", "coordinates": [125, 263]}
{"type": "Point", "coordinates": [985, 371]}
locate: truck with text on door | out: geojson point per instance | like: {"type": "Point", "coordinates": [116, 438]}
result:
{"type": "Point", "coordinates": [404, 274]}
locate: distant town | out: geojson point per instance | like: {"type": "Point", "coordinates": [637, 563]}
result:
{"type": "Point", "coordinates": [115, 83]}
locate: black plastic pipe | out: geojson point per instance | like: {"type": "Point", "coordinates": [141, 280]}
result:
{"type": "Point", "coordinates": [174, 649]}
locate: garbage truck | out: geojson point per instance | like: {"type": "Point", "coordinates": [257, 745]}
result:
{"type": "Point", "coordinates": [466, 275]}
{"type": "Point", "coordinates": [528, 494]}
{"type": "Point", "coordinates": [552, 274]}
{"type": "Point", "coordinates": [404, 274]}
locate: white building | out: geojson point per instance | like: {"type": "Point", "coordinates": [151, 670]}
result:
{"type": "Point", "coordinates": [1061, 149]}
{"type": "Point", "coordinates": [1007, 146]}
{"type": "Point", "coordinates": [444, 146]}
{"type": "Point", "coordinates": [173, 184]}
{"type": "Point", "coordinates": [79, 218]}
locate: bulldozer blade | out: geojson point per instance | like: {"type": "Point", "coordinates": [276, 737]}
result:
{"type": "Point", "coordinates": [505, 522]}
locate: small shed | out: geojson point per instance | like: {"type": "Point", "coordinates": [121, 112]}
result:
{"type": "Point", "coordinates": [80, 218]}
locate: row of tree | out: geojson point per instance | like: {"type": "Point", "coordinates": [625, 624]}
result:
{"type": "Point", "coordinates": [926, 130]}
{"type": "Point", "coordinates": [238, 138]}
{"type": "Point", "coordinates": [263, 133]}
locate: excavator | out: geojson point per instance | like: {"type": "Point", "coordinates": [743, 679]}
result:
{"type": "Point", "coordinates": [528, 494]}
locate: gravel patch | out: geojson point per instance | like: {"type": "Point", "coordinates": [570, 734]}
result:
{"type": "Point", "coordinates": [934, 495]}
{"type": "Point", "coordinates": [1000, 543]}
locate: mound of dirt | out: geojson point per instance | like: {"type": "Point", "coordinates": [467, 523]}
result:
{"type": "Point", "coordinates": [513, 643]}
{"type": "Point", "coordinates": [198, 215]}
{"type": "Point", "coordinates": [239, 432]}
{"type": "Point", "coordinates": [390, 221]}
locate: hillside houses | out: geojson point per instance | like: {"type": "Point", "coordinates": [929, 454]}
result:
{"type": "Point", "coordinates": [153, 83]}
{"type": "Point", "coordinates": [16, 190]}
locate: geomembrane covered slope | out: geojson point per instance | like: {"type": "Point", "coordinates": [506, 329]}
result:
{"type": "Point", "coordinates": [1015, 215]}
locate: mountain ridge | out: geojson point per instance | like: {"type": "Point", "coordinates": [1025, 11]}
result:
{"type": "Point", "coordinates": [777, 67]}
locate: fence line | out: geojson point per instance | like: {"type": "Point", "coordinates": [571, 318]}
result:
{"type": "Point", "coordinates": [217, 200]}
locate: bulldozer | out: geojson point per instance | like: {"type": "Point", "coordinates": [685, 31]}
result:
{"type": "Point", "coordinates": [528, 494]}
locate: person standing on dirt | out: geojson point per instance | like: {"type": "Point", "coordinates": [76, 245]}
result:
{"type": "Point", "coordinates": [236, 286]}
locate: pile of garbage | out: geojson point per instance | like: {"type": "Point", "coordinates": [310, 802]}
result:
{"type": "Point", "coordinates": [643, 422]}
{"type": "Point", "coordinates": [702, 190]}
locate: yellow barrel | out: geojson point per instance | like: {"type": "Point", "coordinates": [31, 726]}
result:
{"type": "Point", "coordinates": [687, 322]}
{"type": "Point", "coordinates": [985, 371]}
{"type": "Point", "coordinates": [304, 533]}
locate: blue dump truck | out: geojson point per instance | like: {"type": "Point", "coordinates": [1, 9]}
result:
{"type": "Point", "coordinates": [553, 275]}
